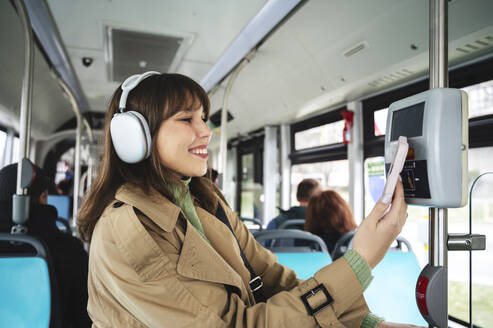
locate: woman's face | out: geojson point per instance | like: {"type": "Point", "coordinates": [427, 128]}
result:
{"type": "Point", "coordinates": [182, 142]}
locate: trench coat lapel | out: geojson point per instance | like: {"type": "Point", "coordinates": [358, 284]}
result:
{"type": "Point", "coordinates": [223, 241]}
{"type": "Point", "coordinates": [198, 260]}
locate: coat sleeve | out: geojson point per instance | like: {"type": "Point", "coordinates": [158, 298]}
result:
{"type": "Point", "coordinates": [124, 295]}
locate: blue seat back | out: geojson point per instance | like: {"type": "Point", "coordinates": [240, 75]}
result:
{"type": "Point", "coordinates": [391, 294]}
{"type": "Point", "coordinates": [304, 264]}
{"type": "Point", "coordinates": [62, 204]}
{"type": "Point", "coordinates": [25, 291]}
{"type": "Point", "coordinates": [25, 297]}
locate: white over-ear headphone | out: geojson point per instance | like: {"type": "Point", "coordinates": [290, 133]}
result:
{"type": "Point", "coordinates": [129, 130]}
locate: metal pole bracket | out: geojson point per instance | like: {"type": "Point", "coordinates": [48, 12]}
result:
{"type": "Point", "coordinates": [466, 242]}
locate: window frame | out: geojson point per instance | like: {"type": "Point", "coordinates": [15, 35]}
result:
{"type": "Point", "coordinates": [255, 146]}
{"type": "Point", "coordinates": [323, 153]}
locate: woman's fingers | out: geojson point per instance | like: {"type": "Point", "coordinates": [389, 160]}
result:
{"type": "Point", "coordinates": [378, 211]}
{"type": "Point", "coordinates": [396, 217]}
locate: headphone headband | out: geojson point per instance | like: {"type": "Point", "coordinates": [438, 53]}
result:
{"type": "Point", "coordinates": [129, 84]}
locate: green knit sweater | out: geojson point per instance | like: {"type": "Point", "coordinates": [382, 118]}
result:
{"type": "Point", "coordinates": [186, 205]}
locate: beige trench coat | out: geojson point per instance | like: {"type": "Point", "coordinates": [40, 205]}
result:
{"type": "Point", "coordinates": [148, 267]}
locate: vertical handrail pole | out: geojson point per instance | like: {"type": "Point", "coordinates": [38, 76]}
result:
{"type": "Point", "coordinates": [20, 201]}
{"type": "Point", "coordinates": [90, 161]}
{"type": "Point", "coordinates": [270, 173]}
{"type": "Point", "coordinates": [438, 44]}
{"type": "Point", "coordinates": [78, 135]}
{"type": "Point", "coordinates": [285, 141]}
{"type": "Point", "coordinates": [438, 57]}
{"type": "Point", "coordinates": [223, 141]}
{"type": "Point", "coordinates": [26, 95]}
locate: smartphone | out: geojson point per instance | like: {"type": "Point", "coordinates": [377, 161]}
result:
{"type": "Point", "coordinates": [395, 169]}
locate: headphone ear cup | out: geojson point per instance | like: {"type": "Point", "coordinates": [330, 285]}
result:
{"type": "Point", "coordinates": [131, 136]}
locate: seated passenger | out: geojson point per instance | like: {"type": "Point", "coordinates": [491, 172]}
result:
{"type": "Point", "coordinates": [306, 188]}
{"type": "Point", "coordinates": [168, 251]}
{"type": "Point", "coordinates": [329, 217]}
{"type": "Point", "coordinates": [70, 260]}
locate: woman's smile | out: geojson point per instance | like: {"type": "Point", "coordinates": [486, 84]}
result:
{"type": "Point", "coordinates": [200, 151]}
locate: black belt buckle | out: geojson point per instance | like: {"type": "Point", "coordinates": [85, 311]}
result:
{"type": "Point", "coordinates": [256, 283]}
{"type": "Point", "coordinates": [312, 292]}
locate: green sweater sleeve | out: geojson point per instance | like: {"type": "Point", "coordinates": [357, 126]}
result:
{"type": "Point", "coordinates": [363, 273]}
{"type": "Point", "coordinates": [360, 267]}
{"type": "Point", "coordinates": [371, 321]}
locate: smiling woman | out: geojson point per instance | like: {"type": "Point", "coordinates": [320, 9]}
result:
{"type": "Point", "coordinates": [166, 247]}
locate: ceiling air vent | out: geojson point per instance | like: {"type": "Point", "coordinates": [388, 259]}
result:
{"type": "Point", "coordinates": [133, 52]}
{"type": "Point", "coordinates": [476, 45]}
{"type": "Point", "coordinates": [390, 78]}
{"type": "Point", "coordinates": [355, 49]}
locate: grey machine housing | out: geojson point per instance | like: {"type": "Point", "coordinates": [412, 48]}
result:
{"type": "Point", "coordinates": [435, 123]}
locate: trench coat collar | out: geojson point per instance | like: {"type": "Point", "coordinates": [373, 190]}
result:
{"type": "Point", "coordinates": [198, 259]}
{"type": "Point", "coordinates": [153, 205]}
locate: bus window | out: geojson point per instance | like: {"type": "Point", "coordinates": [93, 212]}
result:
{"type": "Point", "coordinates": [480, 99]}
{"type": "Point", "coordinates": [380, 121]}
{"type": "Point", "coordinates": [326, 134]}
{"type": "Point", "coordinates": [480, 161]}
{"type": "Point", "coordinates": [15, 150]}
{"type": "Point", "coordinates": [11, 154]}
{"type": "Point", "coordinates": [251, 191]}
{"type": "Point", "coordinates": [331, 175]}
{"type": "Point", "coordinates": [3, 139]}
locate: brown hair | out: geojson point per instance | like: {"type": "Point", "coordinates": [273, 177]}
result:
{"type": "Point", "coordinates": [157, 98]}
{"type": "Point", "coordinates": [328, 213]}
{"type": "Point", "coordinates": [306, 188]}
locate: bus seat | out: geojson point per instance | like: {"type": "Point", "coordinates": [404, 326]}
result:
{"type": "Point", "coordinates": [62, 204]}
{"type": "Point", "coordinates": [304, 264]}
{"type": "Point", "coordinates": [293, 224]}
{"type": "Point", "coordinates": [391, 294]}
{"type": "Point", "coordinates": [346, 242]}
{"type": "Point", "coordinates": [342, 245]}
{"type": "Point", "coordinates": [287, 238]}
{"type": "Point", "coordinates": [25, 300]}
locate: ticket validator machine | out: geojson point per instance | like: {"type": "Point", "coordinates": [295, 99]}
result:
{"type": "Point", "coordinates": [435, 123]}
{"type": "Point", "coordinates": [435, 173]}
